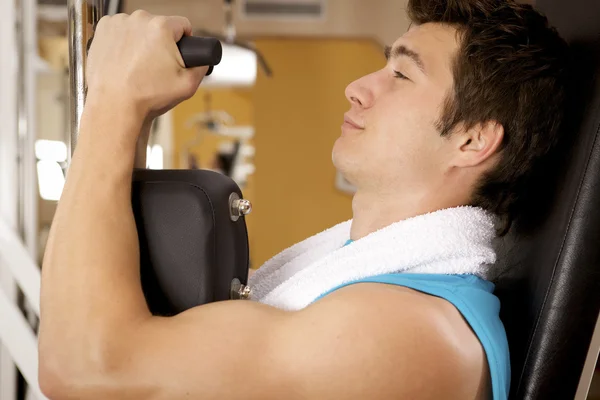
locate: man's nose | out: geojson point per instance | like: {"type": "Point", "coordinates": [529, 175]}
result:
{"type": "Point", "coordinates": [360, 92]}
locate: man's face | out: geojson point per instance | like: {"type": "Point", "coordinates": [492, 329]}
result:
{"type": "Point", "coordinates": [395, 145]}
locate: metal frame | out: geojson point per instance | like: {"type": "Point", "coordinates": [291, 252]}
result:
{"type": "Point", "coordinates": [83, 17]}
{"type": "Point", "coordinates": [113, 7]}
{"type": "Point", "coordinates": [8, 173]}
{"type": "Point", "coordinates": [18, 195]}
{"type": "Point", "coordinates": [17, 334]}
{"type": "Point", "coordinates": [21, 343]}
{"type": "Point", "coordinates": [27, 131]}
{"type": "Point", "coordinates": [19, 262]}
{"type": "Point", "coordinates": [587, 374]}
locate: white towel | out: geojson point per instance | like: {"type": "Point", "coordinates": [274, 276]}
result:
{"type": "Point", "coordinates": [450, 241]}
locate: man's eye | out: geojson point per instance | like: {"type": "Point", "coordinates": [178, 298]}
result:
{"type": "Point", "coordinates": [400, 75]}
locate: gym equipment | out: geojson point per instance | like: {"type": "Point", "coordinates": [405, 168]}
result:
{"type": "Point", "coordinates": [191, 227]}
{"type": "Point", "coordinates": [191, 224]}
{"type": "Point", "coordinates": [232, 159]}
{"type": "Point", "coordinates": [200, 51]}
{"type": "Point", "coordinates": [550, 295]}
{"type": "Point", "coordinates": [550, 292]}
{"type": "Point", "coordinates": [193, 238]}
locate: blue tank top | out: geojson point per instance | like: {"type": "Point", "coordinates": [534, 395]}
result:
{"type": "Point", "coordinates": [474, 299]}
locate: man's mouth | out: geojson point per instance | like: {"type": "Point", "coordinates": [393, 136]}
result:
{"type": "Point", "coordinates": [350, 123]}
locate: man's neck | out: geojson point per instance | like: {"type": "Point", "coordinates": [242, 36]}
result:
{"type": "Point", "coordinates": [374, 211]}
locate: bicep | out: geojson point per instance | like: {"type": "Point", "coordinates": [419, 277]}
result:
{"type": "Point", "coordinates": [352, 344]}
{"type": "Point", "coordinates": [210, 352]}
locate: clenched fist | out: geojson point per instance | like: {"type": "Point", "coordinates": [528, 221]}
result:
{"type": "Point", "coordinates": [134, 62]}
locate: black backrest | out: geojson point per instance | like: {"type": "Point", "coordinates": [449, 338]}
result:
{"type": "Point", "coordinates": [550, 292]}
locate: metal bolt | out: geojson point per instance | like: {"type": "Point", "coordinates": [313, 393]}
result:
{"type": "Point", "coordinates": [240, 291]}
{"type": "Point", "coordinates": [245, 292]}
{"type": "Point", "coordinates": [239, 207]}
{"type": "Point", "coordinates": [244, 207]}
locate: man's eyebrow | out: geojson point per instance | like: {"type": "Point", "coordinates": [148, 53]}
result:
{"type": "Point", "coordinates": [404, 51]}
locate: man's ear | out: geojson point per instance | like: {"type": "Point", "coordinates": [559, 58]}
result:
{"type": "Point", "coordinates": [478, 144]}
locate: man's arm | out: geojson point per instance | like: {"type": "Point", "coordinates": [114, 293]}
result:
{"type": "Point", "coordinates": [90, 276]}
{"type": "Point", "coordinates": [364, 341]}
{"type": "Point", "coordinates": [98, 339]}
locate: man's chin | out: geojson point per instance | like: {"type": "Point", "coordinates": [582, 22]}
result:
{"type": "Point", "coordinates": [342, 148]}
{"type": "Point", "coordinates": [337, 156]}
{"type": "Point", "coordinates": [344, 165]}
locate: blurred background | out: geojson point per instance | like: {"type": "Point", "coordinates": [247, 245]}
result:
{"type": "Point", "coordinates": [268, 117]}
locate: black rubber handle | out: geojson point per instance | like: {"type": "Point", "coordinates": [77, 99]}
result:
{"type": "Point", "coordinates": [200, 51]}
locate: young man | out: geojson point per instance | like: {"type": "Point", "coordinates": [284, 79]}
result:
{"type": "Point", "coordinates": [469, 100]}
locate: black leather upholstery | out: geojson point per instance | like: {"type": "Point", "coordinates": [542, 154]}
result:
{"type": "Point", "coordinates": [190, 248]}
{"type": "Point", "coordinates": [550, 293]}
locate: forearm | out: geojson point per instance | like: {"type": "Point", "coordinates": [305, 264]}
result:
{"type": "Point", "coordinates": [90, 278]}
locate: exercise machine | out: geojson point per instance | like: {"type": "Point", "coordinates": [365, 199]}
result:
{"type": "Point", "coordinates": [194, 242]}
{"type": "Point", "coordinates": [191, 223]}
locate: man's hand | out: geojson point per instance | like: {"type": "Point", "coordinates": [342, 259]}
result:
{"type": "Point", "coordinates": [134, 62]}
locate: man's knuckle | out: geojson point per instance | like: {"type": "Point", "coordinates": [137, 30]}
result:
{"type": "Point", "coordinates": [140, 14]}
{"type": "Point", "coordinates": [103, 22]}
{"type": "Point", "coordinates": [160, 24]}
{"type": "Point", "coordinates": [119, 17]}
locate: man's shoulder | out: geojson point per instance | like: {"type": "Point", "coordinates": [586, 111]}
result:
{"type": "Point", "coordinates": [427, 330]}
{"type": "Point", "coordinates": [395, 303]}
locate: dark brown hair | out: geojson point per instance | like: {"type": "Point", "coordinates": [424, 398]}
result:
{"type": "Point", "coordinates": [510, 68]}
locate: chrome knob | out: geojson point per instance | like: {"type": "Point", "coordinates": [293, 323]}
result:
{"type": "Point", "coordinates": [245, 292]}
{"type": "Point", "coordinates": [238, 207]}
{"type": "Point", "coordinates": [244, 207]}
{"type": "Point", "coordinates": [240, 291]}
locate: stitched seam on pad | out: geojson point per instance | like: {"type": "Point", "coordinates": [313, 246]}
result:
{"type": "Point", "coordinates": [214, 221]}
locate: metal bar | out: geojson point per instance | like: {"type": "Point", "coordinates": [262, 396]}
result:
{"type": "Point", "coordinates": [8, 171]}
{"type": "Point", "coordinates": [28, 196]}
{"type": "Point", "coordinates": [8, 115]}
{"type": "Point", "coordinates": [21, 342]}
{"type": "Point", "coordinates": [83, 17]}
{"type": "Point", "coordinates": [16, 259]}
{"type": "Point", "coordinates": [590, 363]}
{"type": "Point", "coordinates": [113, 7]}
{"type": "Point", "coordinates": [26, 57]}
